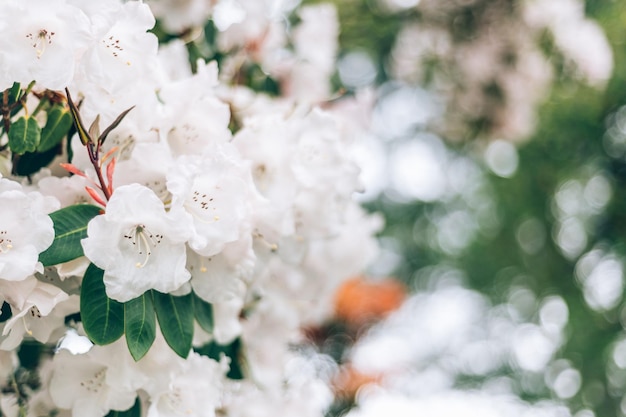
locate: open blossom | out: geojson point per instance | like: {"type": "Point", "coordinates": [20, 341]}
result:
{"type": "Point", "coordinates": [41, 40]}
{"type": "Point", "coordinates": [25, 230]}
{"type": "Point", "coordinates": [40, 313]}
{"type": "Point", "coordinates": [194, 389]}
{"type": "Point", "coordinates": [121, 51]}
{"type": "Point", "coordinates": [301, 164]}
{"type": "Point", "coordinates": [216, 190]}
{"type": "Point", "coordinates": [194, 118]}
{"type": "Point", "coordinates": [89, 384]}
{"type": "Point", "coordinates": [138, 244]}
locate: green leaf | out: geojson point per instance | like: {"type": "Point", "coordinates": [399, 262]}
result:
{"type": "Point", "coordinates": [31, 162]}
{"type": "Point", "coordinates": [24, 135]}
{"type": "Point", "coordinates": [57, 126]}
{"type": "Point", "coordinates": [139, 325]}
{"type": "Point", "coordinates": [134, 411]}
{"type": "Point", "coordinates": [175, 316]}
{"type": "Point", "coordinates": [203, 312]}
{"type": "Point", "coordinates": [5, 312]}
{"type": "Point", "coordinates": [103, 318]}
{"type": "Point", "coordinates": [232, 350]}
{"type": "Point", "coordinates": [14, 93]}
{"type": "Point", "coordinates": [70, 226]}
{"type": "Point", "coordinates": [116, 122]}
{"type": "Point", "coordinates": [78, 121]}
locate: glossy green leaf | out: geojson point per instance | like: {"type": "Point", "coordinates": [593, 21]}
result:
{"type": "Point", "coordinates": [139, 325]}
{"type": "Point", "coordinates": [134, 411]}
{"type": "Point", "coordinates": [70, 226]}
{"type": "Point", "coordinates": [103, 318]}
{"type": "Point", "coordinates": [175, 316]}
{"type": "Point", "coordinates": [203, 313]}
{"type": "Point", "coordinates": [57, 126]}
{"type": "Point", "coordinates": [24, 135]}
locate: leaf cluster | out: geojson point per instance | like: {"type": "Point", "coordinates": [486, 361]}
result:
{"type": "Point", "coordinates": [106, 320]}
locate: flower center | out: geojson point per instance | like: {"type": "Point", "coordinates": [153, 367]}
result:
{"type": "Point", "coordinates": [34, 312]}
{"type": "Point", "coordinates": [142, 240]}
{"type": "Point", "coordinates": [203, 207]}
{"type": "Point", "coordinates": [39, 41]}
{"type": "Point", "coordinates": [113, 44]}
{"type": "Point", "coordinates": [94, 384]}
{"type": "Point", "coordinates": [6, 244]}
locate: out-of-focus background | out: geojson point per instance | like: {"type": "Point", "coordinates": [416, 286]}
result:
{"type": "Point", "coordinates": [497, 154]}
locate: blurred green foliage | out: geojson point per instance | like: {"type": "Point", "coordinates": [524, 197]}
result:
{"type": "Point", "coordinates": [568, 143]}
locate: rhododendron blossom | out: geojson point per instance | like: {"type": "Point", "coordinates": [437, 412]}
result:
{"type": "Point", "coordinates": [25, 230]}
{"type": "Point", "coordinates": [138, 244]}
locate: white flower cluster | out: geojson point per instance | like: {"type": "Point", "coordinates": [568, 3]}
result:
{"type": "Point", "coordinates": [244, 199]}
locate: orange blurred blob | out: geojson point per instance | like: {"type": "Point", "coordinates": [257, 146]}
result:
{"type": "Point", "coordinates": [360, 300]}
{"type": "Point", "coordinates": [349, 380]}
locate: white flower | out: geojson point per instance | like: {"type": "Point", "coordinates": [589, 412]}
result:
{"type": "Point", "coordinates": [226, 314]}
{"type": "Point", "coordinates": [194, 389]}
{"type": "Point", "coordinates": [224, 275]}
{"type": "Point", "coordinates": [88, 383]}
{"type": "Point", "coordinates": [315, 42]}
{"type": "Point", "coordinates": [122, 51]}
{"type": "Point", "coordinates": [25, 230]}
{"type": "Point", "coordinates": [194, 117]}
{"type": "Point", "coordinates": [216, 190]}
{"type": "Point", "coordinates": [302, 165]}
{"type": "Point", "coordinates": [41, 313]}
{"type": "Point", "coordinates": [41, 40]}
{"type": "Point", "coordinates": [147, 166]}
{"type": "Point", "coordinates": [138, 244]}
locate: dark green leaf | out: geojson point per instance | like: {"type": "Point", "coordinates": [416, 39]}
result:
{"type": "Point", "coordinates": [175, 316]}
{"type": "Point", "coordinates": [78, 121]}
{"type": "Point", "coordinates": [139, 325]}
{"type": "Point", "coordinates": [24, 135]}
{"type": "Point", "coordinates": [116, 122]}
{"type": "Point", "coordinates": [57, 126]}
{"type": "Point", "coordinates": [70, 226]}
{"type": "Point", "coordinates": [6, 312]}
{"type": "Point", "coordinates": [103, 318]}
{"type": "Point", "coordinates": [203, 312]}
{"type": "Point", "coordinates": [31, 162]}
{"type": "Point", "coordinates": [134, 411]}
{"type": "Point", "coordinates": [30, 354]}
{"type": "Point", "coordinates": [233, 351]}
{"type": "Point", "coordinates": [14, 93]}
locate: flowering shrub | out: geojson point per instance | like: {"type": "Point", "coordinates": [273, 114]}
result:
{"type": "Point", "coordinates": [167, 232]}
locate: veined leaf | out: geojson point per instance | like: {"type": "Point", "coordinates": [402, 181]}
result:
{"type": "Point", "coordinates": [70, 226]}
{"type": "Point", "coordinates": [203, 313]}
{"type": "Point", "coordinates": [24, 135]}
{"type": "Point", "coordinates": [57, 126]}
{"type": "Point", "coordinates": [175, 316]}
{"type": "Point", "coordinates": [103, 318]}
{"type": "Point", "coordinates": [139, 325]}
